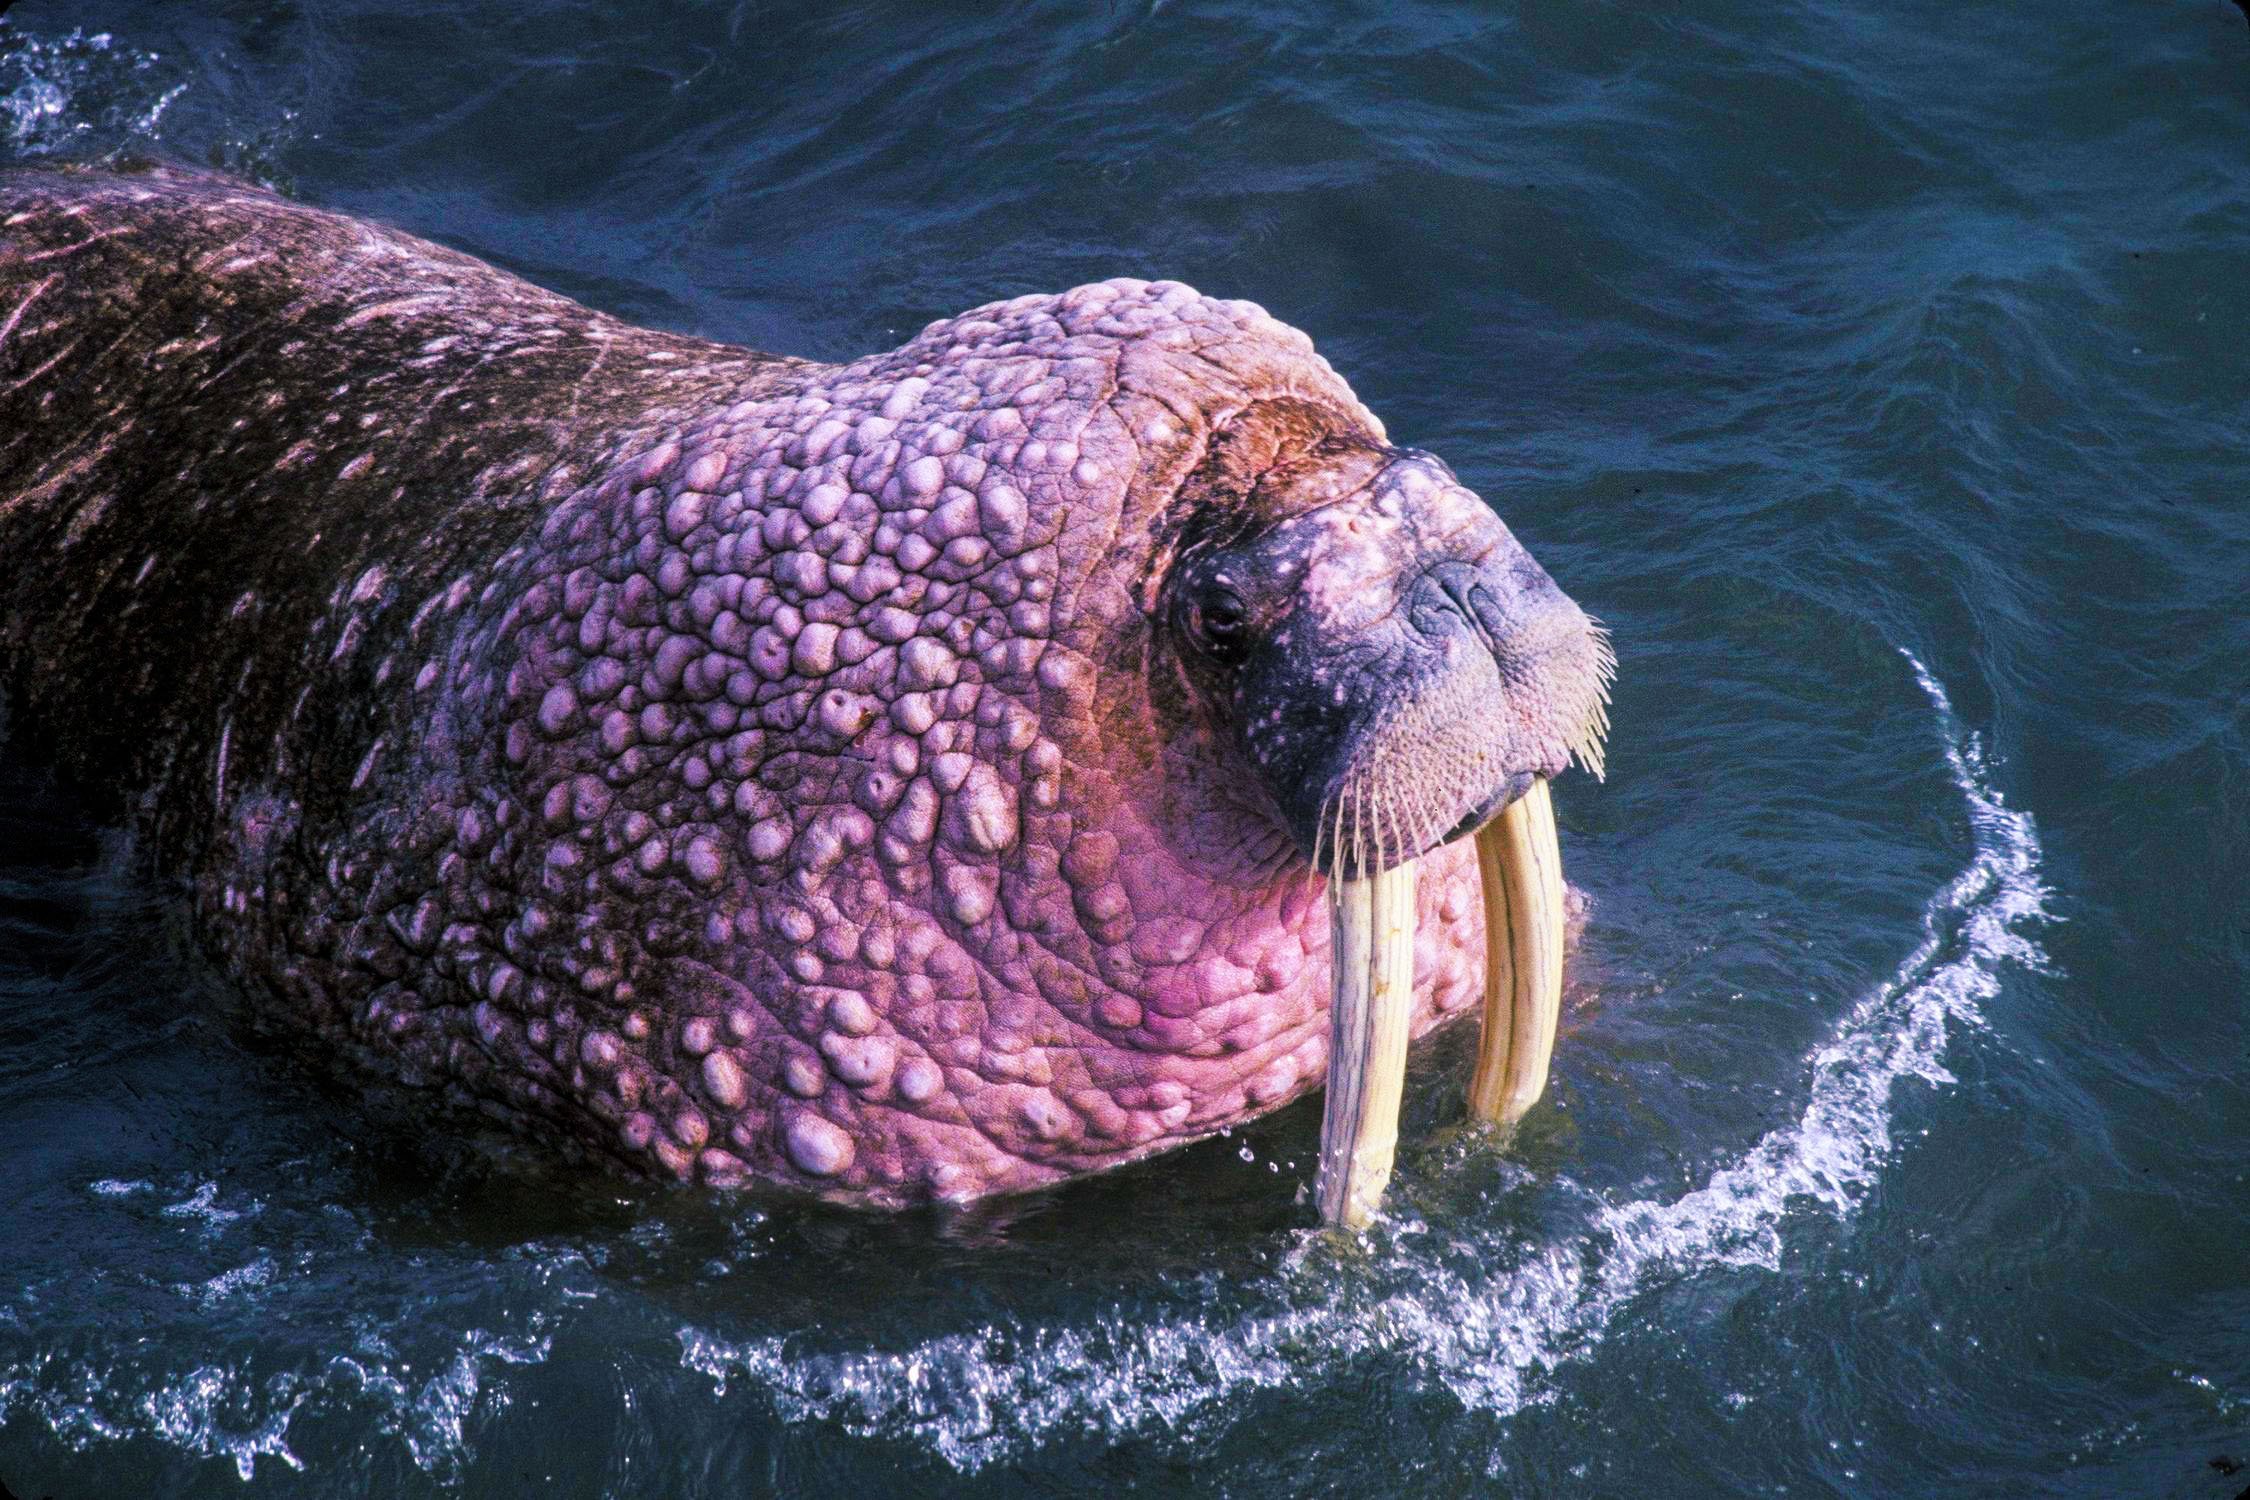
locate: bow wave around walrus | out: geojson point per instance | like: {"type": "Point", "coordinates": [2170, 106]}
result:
{"type": "Point", "coordinates": [910, 778]}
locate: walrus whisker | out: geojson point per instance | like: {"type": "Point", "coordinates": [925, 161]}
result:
{"type": "Point", "coordinates": [1353, 807]}
{"type": "Point", "coordinates": [1337, 855]}
{"type": "Point", "coordinates": [1589, 749]}
{"type": "Point", "coordinates": [1429, 822]}
{"type": "Point", "coordinates": [1363, 831]}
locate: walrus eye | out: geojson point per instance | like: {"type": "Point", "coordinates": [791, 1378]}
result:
{"type": "Point", "coordinates": [1220, 623]}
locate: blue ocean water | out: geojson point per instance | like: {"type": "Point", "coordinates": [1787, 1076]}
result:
{"type": "Point", "coordinates": [1877, 372]}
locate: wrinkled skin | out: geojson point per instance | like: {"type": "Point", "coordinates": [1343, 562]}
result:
{"type": "Point", "coordinates": [885, 781]}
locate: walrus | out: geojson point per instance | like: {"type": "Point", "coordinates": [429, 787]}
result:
{"type": "Point", "coordinates": [918, 778]}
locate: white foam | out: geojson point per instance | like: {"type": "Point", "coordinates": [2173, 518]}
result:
{"type": "Point", "coordinates": [217, 1410]}
{"type": "Point", "coordinates": [1483, 1330]}
{"type": "Point", "coordinates": [432, 1416]}
{"type": "Point", "coordinates": [197, 1411]}
{"type": "Point", "coordinates": [219, 1288]}
{"type": "Point", "coordinates": [203, 1206]}
{"type": "Point", "coordinates": [204, 1411]}
{"type": "Point", "coordinates": [112, 1187]}
{"type": "Point", "coordinates": [56, 90]}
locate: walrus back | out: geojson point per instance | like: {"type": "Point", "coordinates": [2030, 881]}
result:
{"type": "Point", "coordinates": [234, 431]}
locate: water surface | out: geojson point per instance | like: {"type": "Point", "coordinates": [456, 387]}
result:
{"type": "Point", "coordinates": [1875, 370]}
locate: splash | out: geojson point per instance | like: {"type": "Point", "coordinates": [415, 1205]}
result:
{"type": "Point", "coordinates": [227, 1409]}
{"type": "Point", "coordinates": [993, 1393]}
{"type": "Point", "coordinates": [424, 1382]}
{"type": "Point", "coordinates": [58, 93]}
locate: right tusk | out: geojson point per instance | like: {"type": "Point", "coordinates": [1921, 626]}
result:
{"type": "Point", "coordinates": [1520, 864]}
{"type": "Point", "coordinates": [1371, 950]}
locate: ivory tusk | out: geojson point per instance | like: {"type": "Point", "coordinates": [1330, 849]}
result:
{"type": "Point", "coordinates": [1520, 864]}
{"type": "Point", "coordinates": [1371, 948]}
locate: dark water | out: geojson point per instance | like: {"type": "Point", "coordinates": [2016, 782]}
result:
{"type": "Point", "coordinates": [1876, 369]}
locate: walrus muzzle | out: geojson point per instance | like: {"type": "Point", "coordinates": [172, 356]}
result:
{"type": "Point", "coordinates": [1403, 674]}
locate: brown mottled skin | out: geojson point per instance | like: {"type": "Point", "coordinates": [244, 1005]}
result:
{"type": "Point", "coordinates": [886, 781]}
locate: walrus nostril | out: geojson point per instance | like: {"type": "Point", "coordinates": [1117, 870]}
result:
{"type": "Point", "coordinates": [1476, 604]}
{"type": "Point", "coordinates": [1452, 594]}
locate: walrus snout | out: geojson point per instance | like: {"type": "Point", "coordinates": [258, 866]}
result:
{"type": "Point", "coordinates": [1519, 623]}
{"type": "Point", "coordinates": [1497, 683]}
{"type": "Point", "coordinates": [1396, 666]}
{"type": "Point", "coordinates": [1550, 654]}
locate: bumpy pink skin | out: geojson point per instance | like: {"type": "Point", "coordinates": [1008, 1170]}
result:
{"type": "Point", "coordinates": [753, 771]}
{"type": "Point", "coordinates": [847, 850]}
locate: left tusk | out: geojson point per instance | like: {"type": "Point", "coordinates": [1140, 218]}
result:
{"type": "Point", "coordinates": [1520, 864]}
{"type": "Point", "coordinates": [1371, 950]}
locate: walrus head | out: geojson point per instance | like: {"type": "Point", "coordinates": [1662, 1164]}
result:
{"type": "Point", "coordinates": [1392, 664]}
{"type": "Point", "coordinates": [1395, 671]}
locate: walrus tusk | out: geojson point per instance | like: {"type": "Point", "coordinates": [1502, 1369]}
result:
{"type": "Point", "coordinates": [1520, 864]}
{"type": "Point", "coordinates": [1371, 926]}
